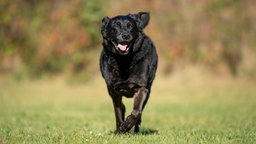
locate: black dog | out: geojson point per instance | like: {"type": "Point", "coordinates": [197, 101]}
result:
{"type": "Point", "coordinates": [128, 64]}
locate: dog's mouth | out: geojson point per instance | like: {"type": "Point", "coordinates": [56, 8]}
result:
{"type": "Point", "coordinates": [122, 47]}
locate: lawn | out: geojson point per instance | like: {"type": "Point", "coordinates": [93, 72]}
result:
{"type": "Point", "coordinates": [181, 109]}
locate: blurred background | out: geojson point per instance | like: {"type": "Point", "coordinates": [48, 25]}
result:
{"type": "Point", "coordinates": [51, 89]}
{"type": "Point", "coordinates": [54, 37]}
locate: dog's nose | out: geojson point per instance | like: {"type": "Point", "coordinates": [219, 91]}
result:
{"type": "Point", "coordinates": [125, 36]}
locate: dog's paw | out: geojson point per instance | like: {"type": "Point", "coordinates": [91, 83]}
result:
{"type": "Point", "coordinates": [129, 122]}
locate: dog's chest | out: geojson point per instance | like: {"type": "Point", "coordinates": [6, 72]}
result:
{"type": "Point", "coordinates": [120, 68]}
{"type": "Point", "coordinates": [123, 77]}
{"type": "Point", "coordinates": [120, 75]}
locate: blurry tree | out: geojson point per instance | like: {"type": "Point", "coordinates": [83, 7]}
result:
{"type": "Point", "coordinates": [53, 36]}
{"type": "Point", "coordinates": [50, 35]}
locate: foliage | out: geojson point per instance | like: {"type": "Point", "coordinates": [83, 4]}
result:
{"type": "Point", "coordinates": [47, 35]}
{"type": "Point", "coordinates": [55, 36]}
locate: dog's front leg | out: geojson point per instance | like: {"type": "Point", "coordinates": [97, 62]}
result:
{"type": "Point", "coordinates": [139, 99]}
{"type": "Point", "coordinates": [119, 111]}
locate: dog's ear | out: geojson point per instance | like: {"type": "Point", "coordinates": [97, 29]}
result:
{"type": "Point", "coordinates": [105, 22]}
{"type": "Point", "coordinates": [141, 18]}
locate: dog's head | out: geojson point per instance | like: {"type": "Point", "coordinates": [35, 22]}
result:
{"type": "Point", "coordinates": [121, 32]}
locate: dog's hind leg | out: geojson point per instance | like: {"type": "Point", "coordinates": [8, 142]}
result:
{"type": "Point", "coordinates": [139, 99]}
{"type": "Point", "coordinates": [137, 126]}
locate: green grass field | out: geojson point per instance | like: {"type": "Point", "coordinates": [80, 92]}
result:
{"type": "Point", "coordinates": [181, 109]}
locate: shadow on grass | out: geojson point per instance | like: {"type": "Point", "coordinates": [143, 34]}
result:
{"type": "Point", "coordinates": [143, 131]}
{"type": "Point", "coordinates": [147, 131]}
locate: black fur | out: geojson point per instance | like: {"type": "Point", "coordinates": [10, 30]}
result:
{"type": "Point", "coordinates": [128, 64]}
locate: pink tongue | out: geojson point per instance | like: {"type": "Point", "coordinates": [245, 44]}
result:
{"type": "Point", "coordinates": [122, 47]}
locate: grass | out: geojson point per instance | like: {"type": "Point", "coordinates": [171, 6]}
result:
{"type": "Point", "coordinates": [181, 110]}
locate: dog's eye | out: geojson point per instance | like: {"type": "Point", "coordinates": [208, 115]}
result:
{"type": "Point", "coordinates": [129, 25]}
{"type": "Point", "coordinates": [118, 24]}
